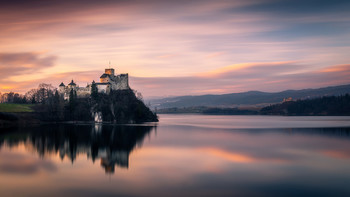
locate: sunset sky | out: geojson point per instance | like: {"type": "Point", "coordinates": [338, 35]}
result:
{"type": "Point", "coordinates": [180, 47]}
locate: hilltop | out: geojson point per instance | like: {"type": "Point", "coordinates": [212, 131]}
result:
{"type": "Point", "coordinates": [110, 100]}
{"type": "Point", "coordinates": [246, 99]}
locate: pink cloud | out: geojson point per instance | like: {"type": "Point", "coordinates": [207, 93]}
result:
{"type": "Point", "coordinates": [254, 76]}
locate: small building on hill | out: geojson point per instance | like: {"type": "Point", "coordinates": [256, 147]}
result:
{"type": "Point", "coordinates": [287, 99]}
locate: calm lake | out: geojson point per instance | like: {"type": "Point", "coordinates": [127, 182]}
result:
{"type": "Point", "coordinates": [182, 155]}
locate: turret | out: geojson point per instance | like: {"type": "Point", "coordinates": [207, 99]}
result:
{"type": "Point", "coordinates": [61, 87]}
{"type": "Point", "coordinates": [72, 85]}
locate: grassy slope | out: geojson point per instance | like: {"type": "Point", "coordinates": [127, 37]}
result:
{"type": "Point", "coordinates": [11, 107]}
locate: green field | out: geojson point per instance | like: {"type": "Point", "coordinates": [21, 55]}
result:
{"type": "Point", "coordinates": [11, 107]}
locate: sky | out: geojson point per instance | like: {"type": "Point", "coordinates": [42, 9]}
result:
{"type": "Point", "coordinates": [181, 47]}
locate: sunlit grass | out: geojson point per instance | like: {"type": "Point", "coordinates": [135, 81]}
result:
{"type": "Point", "coordinates": [11, 107]}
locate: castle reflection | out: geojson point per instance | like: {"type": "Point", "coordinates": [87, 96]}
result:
{"type": "Point", "coordinates": [110, 144]}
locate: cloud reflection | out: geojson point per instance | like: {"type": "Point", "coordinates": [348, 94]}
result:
{"type": "Point", "coordinates": [230, 156]}
{"type": "Point", "coordinates": [24, 164]}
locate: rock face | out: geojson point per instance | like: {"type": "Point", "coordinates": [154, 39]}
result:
{"type": "Point", "coordinates": [122, 106]}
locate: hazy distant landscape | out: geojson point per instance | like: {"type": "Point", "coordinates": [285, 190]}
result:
{"type": "Point", "coordinates": [247, 99]}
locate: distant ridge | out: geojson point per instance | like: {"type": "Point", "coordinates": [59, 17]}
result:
{"type": "Point", "coordinates": [250, 98]}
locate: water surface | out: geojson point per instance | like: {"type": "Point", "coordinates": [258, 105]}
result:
{"type": "Point", "coordinates": [182, 155]}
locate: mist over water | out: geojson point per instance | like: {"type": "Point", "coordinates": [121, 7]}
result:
{"type": "Point", "coordinates": [257, 122]}
{"type": "Point", "coordinates": [182, 155]}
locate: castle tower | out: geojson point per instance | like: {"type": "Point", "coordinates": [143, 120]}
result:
{"type": "Point", "coordinates": [61, 87]}
{"type": "Point", "coordinates": [72, 85]}
{"type": "Point", "coordinates": [109, 71]}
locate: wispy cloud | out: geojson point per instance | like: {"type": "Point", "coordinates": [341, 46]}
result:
{"type": "Point", "coordinates": [15, 65]}
{"type": "Point", "coordinates": [274, 76]}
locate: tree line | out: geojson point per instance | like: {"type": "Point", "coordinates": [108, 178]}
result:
{"type": "Point", "coordinates": [12, 97]}
{"type": "Point", "coordinates": [37, 95]}
{"type": "Point", "coordinates": [324, 106]}
{"type": "Point", "coordinates": [120, 106]}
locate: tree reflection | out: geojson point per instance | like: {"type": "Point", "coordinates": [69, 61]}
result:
{"type": "Point", "coordinates": [110, 144]}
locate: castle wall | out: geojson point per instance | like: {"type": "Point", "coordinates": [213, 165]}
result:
{"type": "Point", "coordinates": [61, 89]}
{"type": "Point", "coordinates": [102, 88]}
{"type": "Point", "coordinates": [121, 82]}
{"type": "Point", "coordinates": [105, 80]}
{"type": "Point", "coordinates": [83, 92]}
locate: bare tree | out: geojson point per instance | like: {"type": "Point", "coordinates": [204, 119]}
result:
{"type": "Point", "coordinates": [30, 95]}
{"type": "Point", "coordinates": [41, 94]}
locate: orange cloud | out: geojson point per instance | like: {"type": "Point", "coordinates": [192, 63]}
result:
{"type": "Point", "coordinates": [7, 87]}
{"type": "Point", "coordinates": [337, 68]}
{"type": "Point", "coordinates": [243, 67]}
{"type": "Point", "coordinates": [22, 86]}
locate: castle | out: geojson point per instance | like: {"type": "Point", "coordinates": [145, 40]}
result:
{"type": "Point", "coordinates": [108, 81]}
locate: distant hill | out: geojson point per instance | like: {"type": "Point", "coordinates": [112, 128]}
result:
{"type": "Point", "coordinates": [324, 106]}
{"type": "Point", "coordinates": [251, 98]}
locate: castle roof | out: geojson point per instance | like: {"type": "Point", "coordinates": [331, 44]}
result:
{"type": "Point", "coordinates": [62, 84]}
{"type": "Point", "coordinates": [72, 83]}
{"type": "Point", "coordinates": [104, 75]}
